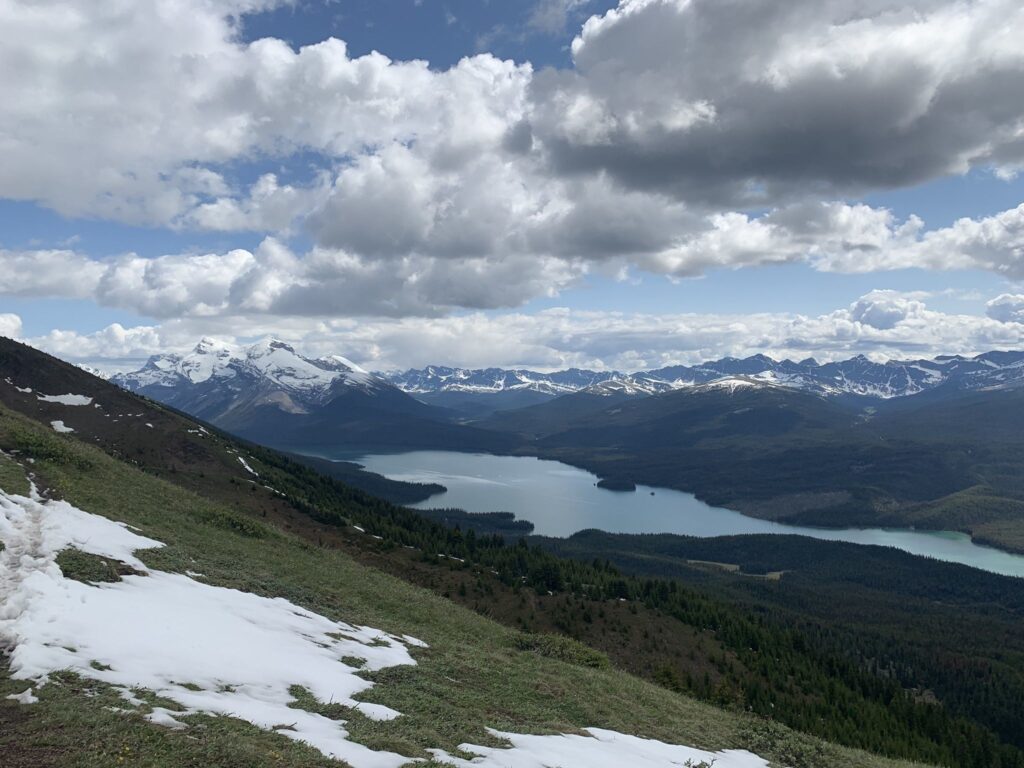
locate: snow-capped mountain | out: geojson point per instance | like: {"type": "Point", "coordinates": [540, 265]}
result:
{"type": "Point", "coordinates": [269, 363]}
{"type": "Point", "coordinates": [268, 392]}
{"type": "Point", "coordinates": [436, 378]}
{"type": "Point", "coordinates": [630, 386]}
{"type": "Point", "coordinates": [93, 371]}
{"type": "Point", "coordinates": [856, 377]}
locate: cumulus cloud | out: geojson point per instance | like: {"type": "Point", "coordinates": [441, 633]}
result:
{"type": "Point", "coordinates": [686, 110]}
{"type": "Point", "coordinates": [689, 135]}
{"type": "Point", "coordinates": [884, 310]}
{"type": "Point", "coordinates": [404, 266]}
{"type": "Point", "coordinates": [881, 323]}
{"type": "Point", "coordinates": [10, 325]}
{"type": "Point", "coordinates": [1006, 308]}
{"type": "Point", "coordinates": [736, 103]}
{"type": "Point", "coordinates": [155, 97]}
{"type": "Point", "coordinates": [266, 205]}
{"type": "Point", "coordinates": [48, 273]}
{"type": "Point", "coordinates": [273, 281]}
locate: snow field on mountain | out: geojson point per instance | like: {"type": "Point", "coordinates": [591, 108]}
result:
{"type": "Point", "coordinates": [247, 468]}
{"type": "Point", "coordinates": [218, 651]}
{"type": "Point", "coordinates": [68, 399]}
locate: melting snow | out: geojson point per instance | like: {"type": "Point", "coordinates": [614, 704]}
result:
{"type": "Point", "coordinates": [25, 697]}
{"type": "Point", "coordinates": [163, 631]}
{"type": "Point", "coordinates": [23, 390]}
{"type": "Point", "coordinates": [66, 399]}
{"type": "Point", "coordinates": [600, 749]}
{"type": "Point", "coordinates": [248, 469]}
{"type": "Point", "coordinates": [60, 426]}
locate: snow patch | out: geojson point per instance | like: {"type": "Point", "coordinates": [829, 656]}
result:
{"type": "Point", "coordinates": [60, 426]}
{"type": "Point", "coordinates": [23, 390]}
{"type": "Point", "coordinates": [599, 749]}
{"type": "Point", "coordinates": [208, 649]}
{"type": "Point", "coordinates": [25, 697]}
{"type": "Point", "coordinates": [65, 399]}
{"type": "Point", "coordinates": [248, 469]}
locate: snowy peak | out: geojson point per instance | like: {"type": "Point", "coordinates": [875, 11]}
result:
{"type": "Point", "coordinates": [270, 363]}
{"type": "Point", "coordinates": [856, 377]}
{"type": "Point", "coordinates": [274, 366]}
{"type": "Point", "coordinates": [631, 386]}
{"type": "Point", "coordinates": [435, 378]}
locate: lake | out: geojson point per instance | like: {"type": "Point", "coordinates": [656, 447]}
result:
{"type": "Point", "coordinates": [561, 500]}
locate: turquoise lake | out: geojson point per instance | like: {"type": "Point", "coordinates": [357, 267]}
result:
{"type": "Point", "coordinates": [560, 500]}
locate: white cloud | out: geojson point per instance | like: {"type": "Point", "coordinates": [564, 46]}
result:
{"type": "Point", "coordinates": [700, 108]}
{"type": "Point", "coordinates": [127, 111]}
{"type": "Point", "coordinates": [266, 205]}
{"type": "Point", "coordinates": [746, 103]}
{"type": "Point", "coordinates": [884, 310]}
{"type": "Point", "coordinates": [1006, 308]}
{"type": "Point", "coordinates": [48, 273]}
{"type": "Point", "coordinates": [10, 325]}
{"type": "Point", "coordinates": [487, 184]}
{"type": "Point", "coordinates": [108, 346]}
{"type": "Point", "coordinates": [881, 323]}
{"type": "Point", "coordinates": [410, 270]}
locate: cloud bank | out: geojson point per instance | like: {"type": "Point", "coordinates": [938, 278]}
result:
{"type": "Point", "coordinates": [689, 135]}
{"type": "Point", "coordinates": [879, 324]}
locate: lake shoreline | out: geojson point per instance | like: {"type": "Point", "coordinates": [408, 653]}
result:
{"type": "Point", "coordinates": [530, 486]}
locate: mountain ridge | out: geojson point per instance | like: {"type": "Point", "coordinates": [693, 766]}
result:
{"type": "Point", "coordinates": [225, 382]}
{"type": "Point", "coordinates": [269, 393]}
{"type": "Point", "coordinates": [857, 376]}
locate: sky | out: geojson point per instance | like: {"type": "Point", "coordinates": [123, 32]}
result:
{"type": "Point", "coordinates": [541, 183]}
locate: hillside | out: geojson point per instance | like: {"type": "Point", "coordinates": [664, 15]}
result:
{"type": "Point", "coordinates": [216, 526]}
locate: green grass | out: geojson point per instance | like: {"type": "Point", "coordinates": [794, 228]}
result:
{"type": "Point", "coordinates": [12, 476]}
{"type": "Point", "coordinates": [475, 674]}
{"type": "Point", "coordinates": [91, 569]}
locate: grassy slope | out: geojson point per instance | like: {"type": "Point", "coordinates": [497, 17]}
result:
{"type": "Point", "coordinates": [473, 675]}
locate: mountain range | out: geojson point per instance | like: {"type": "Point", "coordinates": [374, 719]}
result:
{"type": "Point", "coordinates": [269, 392]}
{"type": "Point", "coordinates": [480, 391]}
{"type": "Point", "coordinates": [230, 385]}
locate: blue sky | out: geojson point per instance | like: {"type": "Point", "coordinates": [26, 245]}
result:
{"type": "Point", "coordinates": [477, 212]}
